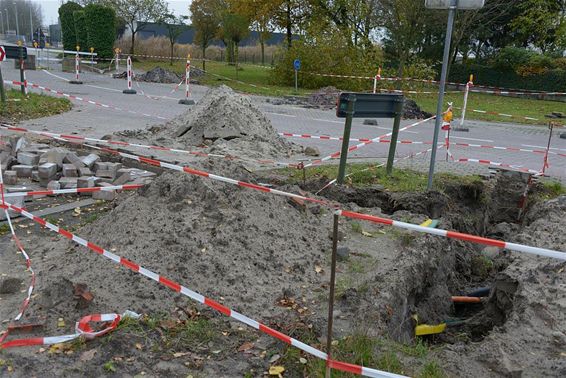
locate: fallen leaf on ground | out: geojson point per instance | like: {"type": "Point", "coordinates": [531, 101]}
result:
{"type": "Point", "coordinates": [276, 370]}
{"type": "Point", "coordinates": [318, 269]}
{"type": "Point", "coordinates": [368, 234]}
{"type": "Point", "coordinates": [274, 358]}
{"type": "Point", "coordinates": [88, 355]}
{"type": "Point", "coordinates": [303, 360]}
{"type": "Point", "coordinates": [180, 354]}
{"type": "Point", "coordinates": [139, 346]}
{"type": "Point", "coordinates": [245, 346]}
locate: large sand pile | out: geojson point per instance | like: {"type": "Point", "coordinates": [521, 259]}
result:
{"type": "Point", "coordinates": [223, 241]}
{"type": "Point", "coordinates": [229, 123]}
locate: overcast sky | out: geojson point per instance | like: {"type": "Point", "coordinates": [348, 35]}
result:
{"type": "Point", "coordinates": [50, 7]}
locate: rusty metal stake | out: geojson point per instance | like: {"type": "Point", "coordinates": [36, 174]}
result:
{"type": "Point", "coordinates": [331, 294]}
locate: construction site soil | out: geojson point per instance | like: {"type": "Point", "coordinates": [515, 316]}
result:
{"type": "Point", "coordinates": [268, 257]}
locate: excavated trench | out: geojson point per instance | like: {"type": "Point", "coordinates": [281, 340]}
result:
{"type": "Point", "coordinates": [431, 269]}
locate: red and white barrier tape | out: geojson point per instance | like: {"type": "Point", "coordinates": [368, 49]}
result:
{"type": "Point", "coordinates": [365, 143]}
{"type": "Point", "coordinates": [82, 329]}
{"type": "Point", "coordinates": [456, 235]}
{"type": "Point", "coordinates": [78, 138]}
{"type": "Point", "coordinates": [503, 114]}
{"type": "Point", "coordinates": [20, 247]}
{"type": "Point", "coordinates": [196, 172]}
{"type": "Point", "coordinates": [498, 164]}
{"type": "Point", "coordinates": [77, 98]}
{"type": "Point", "coordinates": [176, 287]}
{"type": "Point", "coordinates": [74, 190]}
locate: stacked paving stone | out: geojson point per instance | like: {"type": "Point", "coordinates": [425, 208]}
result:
{"type": "Point", "coordinates": [59, 168]}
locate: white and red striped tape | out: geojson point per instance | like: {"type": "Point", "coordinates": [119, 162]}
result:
{"type": "Point", "coordinates": [82, 99]}
{"type": "Point", "coordinates": [73, 190]}
{"type": "Point", "coordinates": [82, 329]}
{"type": "Point", "coordinates": [457, 235]}
{"type": "Point", "coordinates": [178, 288]}
{"type": "Point", "coordinates": [78, 138]}
{"type": "Point", "coordinates": [498, 164]}
{"type": "Point", "coordinates": [20, 247]}
{"type": "Point", "coordinates": [196, 172]}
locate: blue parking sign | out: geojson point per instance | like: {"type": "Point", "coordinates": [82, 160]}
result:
{"type": "Point", "coordinates": [297, 64]}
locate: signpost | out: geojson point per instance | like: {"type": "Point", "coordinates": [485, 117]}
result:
{"type": "Point", "coordinates": [297, 66]}
{"type": "Point", "coordinates": [22, 72]}
{"type": "Point", "coordinates": [2, 91]}
{"type": "Point", "coordinates": [452, 6]}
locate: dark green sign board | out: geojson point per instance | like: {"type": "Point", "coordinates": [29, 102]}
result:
{"type": "Point", "coordinates": [13, 52]}
{"type": "Point", "coordinates": [371, 105]}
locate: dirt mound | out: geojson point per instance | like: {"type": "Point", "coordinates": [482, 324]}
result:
{"type": "Point", "coordinates": [412, 111]}
{"type": "Point", "coordinates": [221, 240]}
{"type": "Point", "coordinates": [326, 96]}
{"type": "Point", "coordinates": [159, 75]}
{"type": "Point", "coordinates": [229, 123]}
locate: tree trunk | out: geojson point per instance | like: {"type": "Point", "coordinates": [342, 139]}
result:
{"type": "Point", "coordinates": [172, 47]}
{"type": "Point", "coordinates": [204, 58]}
{"type": "Point", "coordinates": [400, 70]}
{"type": "Point", "coordinates": [133, 41]}
{"type": "Point", "coordinates": [262, 53]}
{"type": "Point", "coordinates": [235, 44]}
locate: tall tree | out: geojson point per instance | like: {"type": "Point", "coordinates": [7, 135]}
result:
{"type": "Point", "coordinates": [175, 27]}
{"type": "Point", "coordinates": [235, 28]}
{"type": "Point", "coordinates": [137, 13]}
{"type": "Point", "coordinates": [259, 13]}
{"type": "Point", "coordinates": [101, 30]}
{"type": "Point", "coordinates": [206, 21]}
{"type": "Point", "coordinates": [540, 22]}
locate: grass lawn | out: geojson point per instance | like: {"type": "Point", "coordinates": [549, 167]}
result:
{"type": "Point", "coordinates": [401, 180]}
{"type": "Point", "coordinates": [221, 73]}
{"type": "Point", "coordinates": [19, 107]}
{"type": "Point", "coordinates": [507, 105]}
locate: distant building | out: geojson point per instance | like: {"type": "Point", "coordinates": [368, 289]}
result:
{"type": "Point", "coordinates": [187, 37]}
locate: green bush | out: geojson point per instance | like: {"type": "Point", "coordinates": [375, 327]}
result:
{"type": "Point", "coordinates": [68, 24]}
{"type": "Point", "coordinates": [101, 30]}
{"type": "Point", "coordinates": [80, 30]}
{"type": "Point", "coordinates": [329, 54]}
{"type": "Point", "coordinates": [511, 58]}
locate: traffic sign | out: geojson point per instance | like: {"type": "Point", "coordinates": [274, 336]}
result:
{"type": "Point", "coordinates": [2, 54]}
{"type": "Point", "coordinates": [297, 64]}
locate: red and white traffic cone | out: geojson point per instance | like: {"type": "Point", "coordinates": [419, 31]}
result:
{"type": "Point", "coordinates": [187, 100]}
{"type": "Point", "coordinates": [129, 73]}
{"type": "Point", "coordinates": [77, 70]}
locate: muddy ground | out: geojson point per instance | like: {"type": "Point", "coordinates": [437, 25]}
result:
{"type": "Point", "coordinates": [268, 258]}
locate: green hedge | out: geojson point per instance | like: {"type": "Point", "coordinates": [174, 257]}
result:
{"type": "Point", "coordinates": [550, 81]}
{"type": "Point", "coordinates": [101, 29]}
{"type": "Point", "coordinates": [80, 30]}
{"type": "Point", "coordinates": [68, 24]}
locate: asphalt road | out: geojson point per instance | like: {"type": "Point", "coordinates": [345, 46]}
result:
{"type": "Point", "coordinates": [155, 101]}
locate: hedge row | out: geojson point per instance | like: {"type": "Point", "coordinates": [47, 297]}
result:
{"type": "Point", "coordinates": [550, 81]}
{"type": "Point", "coordinates": [91, 26]}
{"type": "Point", "coordinates": [68, 24]}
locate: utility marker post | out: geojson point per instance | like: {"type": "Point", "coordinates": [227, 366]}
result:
{"type": "Point", "coordinates": [331, 291]}
{"type": "Point", "coordinates": [22, 68]}
{"type": "Point", "coordinates": [346, 139]}
{"type": "Point", "coordinates": [452, 6]}
{"type": "Point", "coordinates": [394, 135]}
{"type": "Point", "coordinates": [187, 100]}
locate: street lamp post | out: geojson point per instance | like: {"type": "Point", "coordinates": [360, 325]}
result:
{"type": "Point", "coordinates": [2, 22]}
{"type": "Point", "coordinates": [7, 19]}
{"type": "Point", "coordinates": [452, 6]}
{"type": "Point", "coordinates": [17, 22]}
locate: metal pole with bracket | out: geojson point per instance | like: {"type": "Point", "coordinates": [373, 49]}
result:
{"type": "Point", "coordinates": [331, 291]}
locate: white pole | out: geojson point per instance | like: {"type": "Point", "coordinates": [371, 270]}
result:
{"type": "Point", "coordinates": [129, 73]}
{"type": "Point", "coordinates": [77, 68]}
{"type": "Point", "coordinates": [466, 92]}
{"type": "Point", "coordinates": [187, 78]}
{"type": "Point", "coordinates": [375, 79]}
